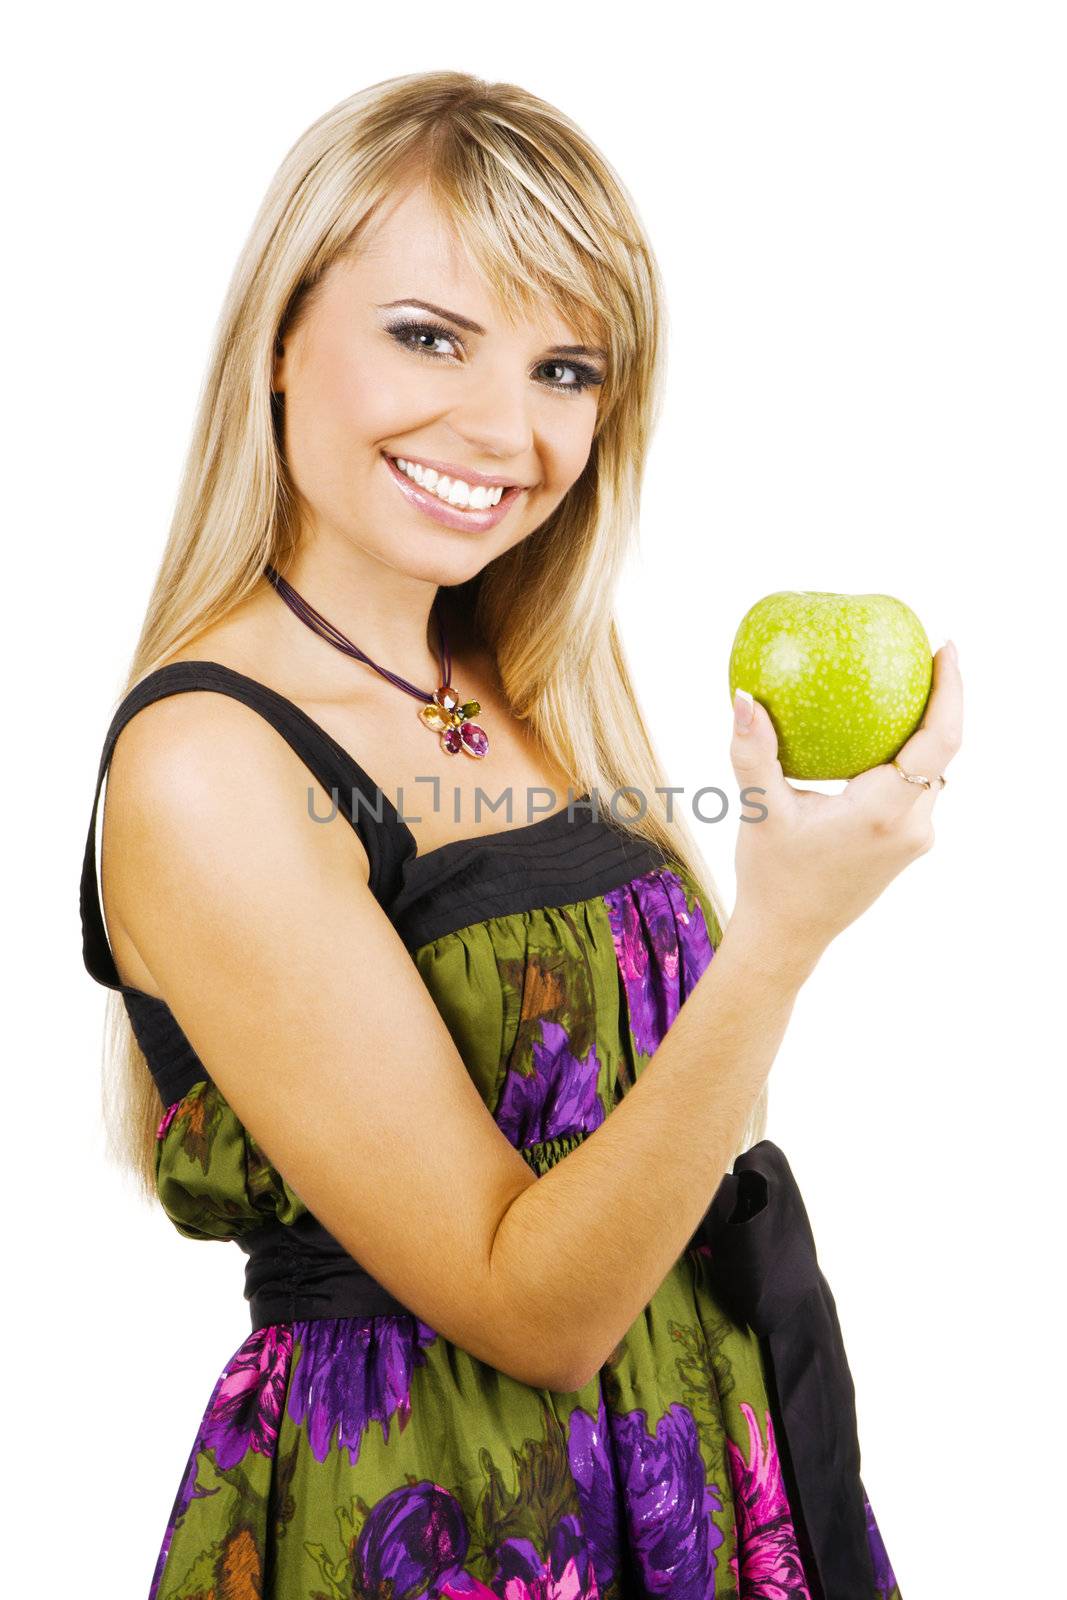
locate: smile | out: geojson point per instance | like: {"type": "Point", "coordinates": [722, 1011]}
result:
{"type": "Point", "coordinates": [451, 501]}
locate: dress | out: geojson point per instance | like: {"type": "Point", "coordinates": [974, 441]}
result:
{"type": "Point", "coordinates": [347, 1449]}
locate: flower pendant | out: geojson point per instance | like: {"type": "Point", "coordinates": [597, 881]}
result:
{"type": "Point", "coordinates": [446, 716]}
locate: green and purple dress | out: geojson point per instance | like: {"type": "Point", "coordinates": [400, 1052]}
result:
{"type": "Point", "coordinates": [348, 1449]}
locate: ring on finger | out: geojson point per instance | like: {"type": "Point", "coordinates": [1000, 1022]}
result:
{"type": "Point", "coordinates": [916, 777]}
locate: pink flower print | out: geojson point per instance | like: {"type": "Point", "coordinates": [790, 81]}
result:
{"type": "Point", "coordinates": [768, 1559]}
{"type": "Point", "coordinates": [168, 1118]}
{"type": "Point", "coordinates": [243, 1413]}
{"type": "Point", "coordinates": [522, 1573]}
{"type": "Point", "coordinates": [247, 1405]}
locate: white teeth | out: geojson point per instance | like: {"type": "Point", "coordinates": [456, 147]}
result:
{"type": "Point", "coordinates": [452, 490]}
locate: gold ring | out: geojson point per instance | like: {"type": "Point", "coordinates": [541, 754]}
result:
{"type": "Point", "coordinates": [915, 777]}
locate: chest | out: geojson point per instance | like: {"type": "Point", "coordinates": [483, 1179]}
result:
{"type": "Point", "coordinates": [442, 796]}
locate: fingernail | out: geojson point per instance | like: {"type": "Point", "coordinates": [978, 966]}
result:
{"type": "Point", "coordinates": [744, 710]}
{"type": "Point", "coordinates": [953, 652]}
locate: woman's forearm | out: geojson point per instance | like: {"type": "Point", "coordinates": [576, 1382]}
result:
{"type": "Point", "coordinates": [581, 1252]}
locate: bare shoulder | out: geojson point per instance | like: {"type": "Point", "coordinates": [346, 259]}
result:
{"type": "Point", "coordinates": [205, 750]}
{"type": "Point", "coordinates": [194, 778]}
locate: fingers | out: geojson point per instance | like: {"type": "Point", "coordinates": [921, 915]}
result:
{"type": "Point", "coordinates": [939, 735]}
{"type": "Point", "coordinates": [754, 752]}
{"type": "Point", "coordinates": [927, 753]}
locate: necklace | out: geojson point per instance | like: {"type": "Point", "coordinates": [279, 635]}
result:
{"type": "Point", "coordinates": [441, 711]}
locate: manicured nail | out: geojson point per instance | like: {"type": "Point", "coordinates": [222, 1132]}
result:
{"type": "Point", "coordinates": [953, 652]}
{"type": "Point", "coordinates": [744, 710]}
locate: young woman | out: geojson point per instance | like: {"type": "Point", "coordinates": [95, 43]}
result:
{"type": "Point", "coordinates": [467, 1085]}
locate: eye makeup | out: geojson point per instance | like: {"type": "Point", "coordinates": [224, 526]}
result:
{"type": "Point", "coordinates": [407, 330]}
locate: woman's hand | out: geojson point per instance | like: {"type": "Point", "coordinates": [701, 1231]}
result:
{"type": "Point", "coordinates": [816, 861]}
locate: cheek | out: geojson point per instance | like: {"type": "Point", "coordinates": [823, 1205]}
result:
{"type": "Point", "coordinates": [570, 444]}
{"type": "Point", "coordinates": [353, 392]}
{"type": "Point", "coordinates": [336, 408]}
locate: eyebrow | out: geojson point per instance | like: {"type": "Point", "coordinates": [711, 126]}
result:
{"type": "Point", "coordinates": [473, 327]}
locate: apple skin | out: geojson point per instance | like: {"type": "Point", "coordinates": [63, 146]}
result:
{"type": "Point", "coordinates": [844, 677]}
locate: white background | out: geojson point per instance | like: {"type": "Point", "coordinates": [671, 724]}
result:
{"type": "Point", "coordinates": [859, 212]}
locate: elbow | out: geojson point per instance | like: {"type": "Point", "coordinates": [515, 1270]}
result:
{"type": "Point", "coordinates": [542, 1360]}
{"type": "Point", "coordinates": [579, 1372]}
{"type": "Point", "coordinates": [557, 1367]}
{"type": "Point", "coordinates": [557, 1377]}
{"type": "Point", "coordinates": [571, 1382]}
{"type": "Point", "coordinates": [553, 1352]}
{"type": "Point", "coordinates": [547, 1366]}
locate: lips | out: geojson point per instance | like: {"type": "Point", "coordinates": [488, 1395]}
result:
{"type": "Point", "coordinates": [451, 516]}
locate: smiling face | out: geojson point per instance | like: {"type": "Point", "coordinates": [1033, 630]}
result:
{"type": "Point", "coordinates": [464, 398]}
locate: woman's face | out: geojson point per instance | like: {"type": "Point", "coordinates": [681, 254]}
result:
{"type": "Point", "coordinates": [370, 377]}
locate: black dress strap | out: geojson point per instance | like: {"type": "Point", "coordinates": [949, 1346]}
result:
{"type": "Point", "coordinates": [385, 838]}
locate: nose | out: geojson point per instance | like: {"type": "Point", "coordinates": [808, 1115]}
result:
{"type": "Point", "coordinates": [493, 417]}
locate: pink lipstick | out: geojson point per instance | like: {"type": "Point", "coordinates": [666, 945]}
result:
{"type": "Point", "coordinates": [451, 516]}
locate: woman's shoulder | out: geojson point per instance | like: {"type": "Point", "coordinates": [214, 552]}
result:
{"type": "Point", "coordinates": [192, 776]}
{"type": "Point", "coordinates": [234, 641]}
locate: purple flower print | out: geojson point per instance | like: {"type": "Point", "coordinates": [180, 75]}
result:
{"type": "Point", "coordinates": [247, 1405]}
{"type": "Point", "coordinates": [695, 948]}
{"type": "Point", "coordinates": [411, 1543]}
{"type": "Point", "coordinates": [590, 1461]}
{"type": "Point", "coordinates": [558, 1096]}
{"type": "Point", "coordinates": [668, 1504]}
{"type": "Point", "coordinates": [884, 1577]}
{"type": "Point", "coordinates": [352, 1371]}
{"type": "Point", "coordinates": [660, 1481]}
{"type": "Point", "coordinates": [768, 1559]}
{"type": "Point", "coordinates": [662, 948]}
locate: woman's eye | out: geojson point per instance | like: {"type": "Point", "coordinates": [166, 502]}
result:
{"type": "Point", "coordinates": [409, 333]}
{"type": "Point", "coordinates": [582, 378]}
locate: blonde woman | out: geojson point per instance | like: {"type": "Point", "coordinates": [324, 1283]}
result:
{"type": "Point", "coordinates": [466, 1085]}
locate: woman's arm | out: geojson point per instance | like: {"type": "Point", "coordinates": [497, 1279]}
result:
{"type": "Point", "coordinates": [259, 930]}
{"type": "Point", "coordinates": [595, 1237]}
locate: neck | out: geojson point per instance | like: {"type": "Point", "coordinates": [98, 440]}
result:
{"type": "Point", "coordinates": [389, 615]}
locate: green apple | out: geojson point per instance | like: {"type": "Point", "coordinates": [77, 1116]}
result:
{"type": "Point", "coordinates": [844, 677]}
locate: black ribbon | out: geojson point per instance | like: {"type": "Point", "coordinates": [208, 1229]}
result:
{"type": "Point", "coordinates": [765, 1273]}
{"type": "Point", "coordinates": [298, 1272]}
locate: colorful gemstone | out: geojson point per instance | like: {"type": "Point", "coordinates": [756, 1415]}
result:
{"type": "Point", "coordinates": [446, 716]}
{"type": "Point", "coordinates": [475, 740]}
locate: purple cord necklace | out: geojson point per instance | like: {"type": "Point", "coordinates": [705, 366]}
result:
{"type": "Point", "coordinates": [441, 711]}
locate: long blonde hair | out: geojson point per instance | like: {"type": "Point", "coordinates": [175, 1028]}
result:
{"type": "Point", "coordinates": [541, 212]}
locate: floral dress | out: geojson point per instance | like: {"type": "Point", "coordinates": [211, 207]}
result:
{"type": "Point", "coordinates": [347, 1448]}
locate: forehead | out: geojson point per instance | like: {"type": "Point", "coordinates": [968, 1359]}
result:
{"type": "Point", "coordinates": [412, 250]}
